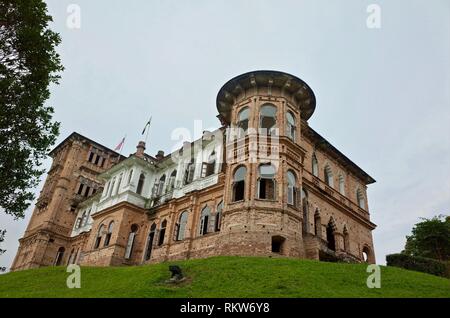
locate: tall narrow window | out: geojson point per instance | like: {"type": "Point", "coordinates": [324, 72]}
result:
{"type": "Point", "coordinates": [209, 167]}
{"type": "Point", "coordinates": [328, 176]}
{"type": "Point", "coordinates": [268, 119]}
{"type": "Point", "coordinates": [204, 220]}
{"type": "Point", "coordinates": [330, 236]}
{"type": "Point", "coordinates": [172, 178]}
{"type": "Point", "coordinates": [181, 226]}
{"type": "Point", "coordinates": [239, 183]}
{"type": "Point", "coordinates": [366, 254]}
{"type": "Point", "coordinates": [109, 233]}
{"type": "Point", "coordinates": [360, 199]}
{"type": "Point", "coordinates": [80, 189]}
{"type": "Point", "coordinates": [242, 124]}
{"type": "Point", "coordinates": [161, 183]}
{"type": "Point", "coordinates": [315, 166]}
{"type": "Point", "coordinates": [218, 221]}
{"type": "Point", "coordinates": [88, 216]}
{"type": "Point", "coordinates": [118, 184]}
{"type": "Point", "coordinates": [98, 239]}
{"type": "Point", "coordinates": [305, 210]}
{"type": "Point", "coordinates": [113, 182]}
{"type": "Point", "coordinates": [150, 240]}
{"type": "Point", "coordinates": [291, 188]}
{"type": "Point", "coordinates": [130, 242]}
{"type": "Point", "coordinates": [108, 184]}
{"type": "Point", "coordinates": [59, 256]}
{"type": "Point", "coordinates": [341, 185]}
{"type": "Point", "coordinates": [130, 176]}
{"type": "Point", "coordinates": [266, 182]}
{"type": "Point", "coordinates": [140, 185]}
{"type": "Point", "coordinates": [162, 232]}
{"type": "Point", "coordinates": [290, 126]}
{"type": "Point", "coordinates": [189, 172]}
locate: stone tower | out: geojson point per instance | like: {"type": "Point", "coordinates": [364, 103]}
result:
{"type": "Point", "coordinates": [265, 161]}
{"type": "Point", "coordinates": [77, 161]}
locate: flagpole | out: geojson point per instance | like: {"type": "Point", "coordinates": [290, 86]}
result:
{"type": "Point", "coordinates": [148, 129]}
{"type": "Point", "coordinates": [123, 145]}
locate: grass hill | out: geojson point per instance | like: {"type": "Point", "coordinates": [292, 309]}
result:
{"type": "Point", "coordinates": [226, 277]}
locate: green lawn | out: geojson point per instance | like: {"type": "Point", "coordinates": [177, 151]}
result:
{"type": "Point", "coordinates": [226, 277]}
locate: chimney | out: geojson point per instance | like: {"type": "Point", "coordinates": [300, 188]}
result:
{"type": "Point", "coordinates": [140, 149]}
{"type": "Point", "coordinates": [160, 155]}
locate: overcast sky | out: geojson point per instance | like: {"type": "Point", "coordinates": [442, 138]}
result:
{"type": "Point", "coordinates": [382, 94]}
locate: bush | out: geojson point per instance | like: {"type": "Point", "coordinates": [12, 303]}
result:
{"type": "Point", "coordinates": [420, 264]}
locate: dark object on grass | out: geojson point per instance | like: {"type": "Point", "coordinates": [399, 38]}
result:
{"type": "Point", "coordinates": [177, 274]}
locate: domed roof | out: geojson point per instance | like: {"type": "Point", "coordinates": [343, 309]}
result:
{"type": "Point", "coordinates": [300, 91]}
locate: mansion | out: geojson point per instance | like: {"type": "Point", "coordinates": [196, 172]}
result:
{"type": "Point", "coordinates": [263, 184]}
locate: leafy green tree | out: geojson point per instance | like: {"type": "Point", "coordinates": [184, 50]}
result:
{"type": "Point", "coordinates": [28, 65]}
{"type": "Point", "coordinates": [430, 238]}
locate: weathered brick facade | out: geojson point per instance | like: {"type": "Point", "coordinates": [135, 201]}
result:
{"type": "Point", "coordinates": [274, 188]}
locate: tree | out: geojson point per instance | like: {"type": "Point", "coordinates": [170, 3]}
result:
{"type": "Point", "coordinates": [430, 238]}
{"type": "Point", "coordinates": [28, 65]}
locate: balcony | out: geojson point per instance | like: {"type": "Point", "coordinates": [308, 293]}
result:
{"type": "Point", "coordinates": [334, 194]}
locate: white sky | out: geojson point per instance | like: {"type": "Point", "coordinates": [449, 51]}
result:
{"type": "Point", "coordinates": [383, 95]}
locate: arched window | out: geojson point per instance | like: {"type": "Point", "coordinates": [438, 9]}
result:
{"type": "Point", "coordinates": [291, 188]}
{"type": "Point", "coordinates": [172, 178]}
{"type": "Point", "coordinates": [109, 233]}
{"type": "Point", "coordinates": [239, 183]}
{"type": "Point", "coordinates": [290, 126]}
{"type": "Point", "coordinates": [341, 185]}
{"type": "Point", "coordinates": [360, 199]}
{"type": "Point", "coordinates": [140, 185]}
{"type": "Point", "coordinates": [59, 256]}
{"type": "Point", "coordinates": [330, 235]}
{"type": "Point", "coordinates": [105, 193]}
{"type": "Point", "coordinates": [315, 166]}
{"type": "Point", "coordinates": [328, 176]}
{"type": "Point", "coordinates": [218, 221]}
{"type": "Point", "coordinates": [209, 167]}
{"type": "Point", "coordinates": [305, 211]}
{"type": "Point", "coordinates": [181, 226]}
{"type": "Point", "coordinates": [150, 240]}
{"type": "Point", "coordinates": [130, 176]}
{"type": "Point", "coordinates": [242, 123]}
{"type": "Point", "coordinates": [162, 232]}
{"type": "Point", "coordinates": [268, 119]}
{"type": "Point", "coordinates": [113, 182]}
{"type": "Point", "coordinates": [118, 184]}
{"type": "Point", "coordinates": [98, 239]}
{"type": "Point", "coordinates": [366, 254]}
{"type": "Point", "coordinates": [130, 243]}
{"type": "Point", "coordinates": [266, 182]}
{"type": "Point", "coordinates": [161, 183]}
{"type": "Point", "coordinates": [204, 220]}
{"type": "Point", "coordinates": [189, 172]}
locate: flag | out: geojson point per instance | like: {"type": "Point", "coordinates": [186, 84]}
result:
{"type": "Point", "coordinates": [147, 125]}
{"type": "Point", "coordinates": [120, 145]}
